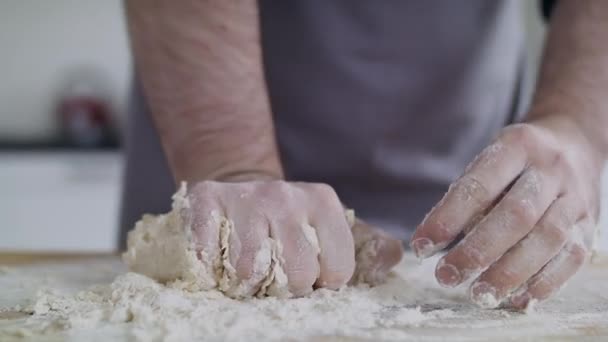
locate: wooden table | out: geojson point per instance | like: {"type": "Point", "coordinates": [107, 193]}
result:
{"type": "Point", "coordinates": [25, 258]}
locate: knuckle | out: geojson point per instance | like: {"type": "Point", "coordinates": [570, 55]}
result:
{"type": "Point", "coordinates": [325, 196]}
{"type": "Point", "coordinates": [558, 159]}
{"type": "Point", "coordinates": [585, 220]}
{"type": "Point", "coordinates": [437, 230]}
{"type": "Point", "coordinates": [531, 184]}
{"type": "Point", "coordinates": [506, 277]}
{"type": "Point", "coordinates": [471, 188]}
{"type": "Point", "coordinates": [473, 257]}
{"type": "Point", "coordinates": [558, 233]}
{"type": "Point", "coordinates": [556, 225]}
{"type": "Point", "coordinates": [578, 253]}
{"type": "Point", "coordinates": [522, 211]}
{"type": "Point", "coordinates": [275, 192]}
{"type": "Point", "coordinates": [275, 187]}
{"type": "Point", "coordinates": [559, 163]}
{"type": "Point", "coordinates": [566, 215]}
{"type": "Point", "coordinates": [203, 188]}
{"type": "Point", "coordinates": [282, 186]}
{"type": "Point", "coordinates": [519, 133]}
{"type": "Point", "coordinates": [323, 190]}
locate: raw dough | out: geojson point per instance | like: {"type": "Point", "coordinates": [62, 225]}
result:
{"type": "Point", "coordinates": [161, 247]}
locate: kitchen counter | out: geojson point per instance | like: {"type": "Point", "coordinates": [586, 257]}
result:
{"type": "Point", "coordinates": [579, 312]}
{"type": "Point", "coordinates": [23, 258]}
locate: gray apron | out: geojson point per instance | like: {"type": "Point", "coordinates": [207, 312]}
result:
{"type": "Point", "coordinates": [387, 101]}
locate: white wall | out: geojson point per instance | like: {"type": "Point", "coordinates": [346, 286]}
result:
{"type": "Point", "coordinates": [39, 41]}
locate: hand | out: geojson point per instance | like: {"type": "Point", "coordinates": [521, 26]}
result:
{"type": "Point", "coordinates": [527, 207]}
{"type": "Point", "coordinates": [307, 219]}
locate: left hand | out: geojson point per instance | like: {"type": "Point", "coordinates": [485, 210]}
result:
{"type": "Point", "coordinates": [527, 207]}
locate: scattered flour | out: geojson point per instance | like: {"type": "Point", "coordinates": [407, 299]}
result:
{"type": "Point", "coordinates": [487, 300]}
{"type": "Point", "coordinates": [410, 305]}
{"type": "Point", "coordinates": [157, 312]}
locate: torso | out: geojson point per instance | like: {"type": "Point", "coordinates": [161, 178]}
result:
{"type": "Point", "coordinates": [389, 100]}
{"type": "Point", "coordinates": [385, 100]}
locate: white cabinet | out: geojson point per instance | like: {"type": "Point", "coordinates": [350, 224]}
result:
{"type": "Point", "coordinates": [53, 201]}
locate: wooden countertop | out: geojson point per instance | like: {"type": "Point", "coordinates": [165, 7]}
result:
{"type": "Point", "coordinates": [24, 258]}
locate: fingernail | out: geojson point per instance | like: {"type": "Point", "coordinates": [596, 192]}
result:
{"type": "Point", "coordinates": [448, 275]}
{"type": "Point", "coordinates": [520, 301]}
{"type": "Point", "coordinates": [422, 247]}
{"type": "Point", "coordinates": [484, 295]}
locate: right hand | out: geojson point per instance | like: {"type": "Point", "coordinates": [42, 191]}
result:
{"type": "Point", "coordinates": [284, 211]}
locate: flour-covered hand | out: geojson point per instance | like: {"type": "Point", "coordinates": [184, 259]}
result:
{"type": "Point", "coordinates": [526, 209]}
{"type": "Point", "coordinates": [307, 220]}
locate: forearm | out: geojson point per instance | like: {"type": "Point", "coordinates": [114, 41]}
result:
{"type": "Point", "coordinates": [200, 65]}
{"type": "Point", "coordinates": [574, 73]}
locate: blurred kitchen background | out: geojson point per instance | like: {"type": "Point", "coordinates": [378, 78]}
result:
{"type": "Point", "coordinates": [65, 69]}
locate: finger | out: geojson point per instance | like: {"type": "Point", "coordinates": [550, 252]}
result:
{"type": "Point", "coordinates": [205, 216]}
{"type": "Point", "coordinates": [484, 180]}
{"type": "Point", "coordinates": [376, 253]}
{"type": "Point", "coordinates": [551, 277]}
{"type": "Point", "coordinates": [285, 208]}
{"type": "Point", "coordinates": [510, 220]}
{"type": "Point", "coordinates": [300, 253]}
{"type": "Point", "coordinates": [249, 250]}
{"type": "Point", "coordinates": [527, 257]}
{"type": "Point", "coordinates": [337, 250]}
